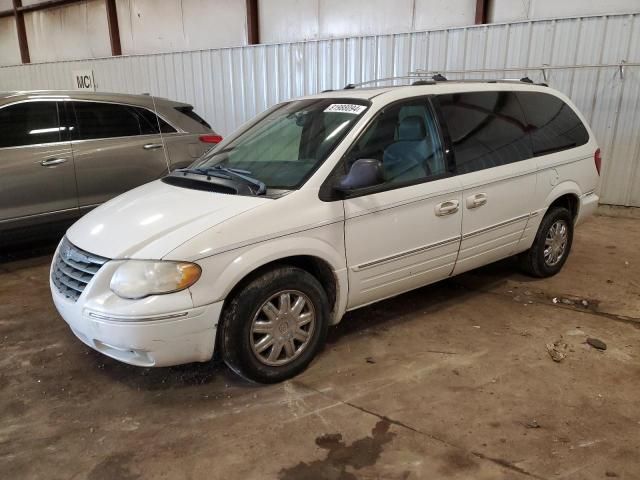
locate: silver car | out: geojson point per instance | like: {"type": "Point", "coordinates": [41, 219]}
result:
{"type": "Point", "coordinates": [63, 153]}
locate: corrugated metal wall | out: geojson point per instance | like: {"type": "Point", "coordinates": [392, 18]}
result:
{"type": "Point", "coordinates": [229, 86]}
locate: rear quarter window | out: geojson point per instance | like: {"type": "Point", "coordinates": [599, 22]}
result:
{"type": "Point", "coordinates": [149, 122]}
{"type": "Point", "coordinates": [553, 125]}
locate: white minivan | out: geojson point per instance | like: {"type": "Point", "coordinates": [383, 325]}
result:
{"type": "Point", "coordinates": [322, 205]}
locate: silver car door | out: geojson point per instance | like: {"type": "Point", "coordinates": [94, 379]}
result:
{"type": "Point", "coordinates": [37, 178]}
{"type": "Point", "coordinates": [114, 151]}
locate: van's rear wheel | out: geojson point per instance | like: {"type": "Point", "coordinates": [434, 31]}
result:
{"type": "Point", "coordinates": [551, 246]}
{"type": "Point", "coordinates": [275, 325]}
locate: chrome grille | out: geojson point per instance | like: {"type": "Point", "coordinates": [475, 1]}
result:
{"type": "Point", "coordinates": [73, 269]}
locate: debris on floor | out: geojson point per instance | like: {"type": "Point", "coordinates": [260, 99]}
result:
{"type": "Point", "coordinates": [557, 350]}
{"type": "Point", "coordinates": [575, 301]}
{"type": "Point", "coordinates": [576, 332]}
{"type": "Point", "coordinates": [597, 343]}
{"type": "Point", "coordinates": [532, 424]}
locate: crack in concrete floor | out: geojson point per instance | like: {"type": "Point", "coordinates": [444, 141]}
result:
{"type": "Point", "coordinates": [498, 461]}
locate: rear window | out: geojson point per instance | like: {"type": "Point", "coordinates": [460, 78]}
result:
{"type": "Point", "coordinates": [188, 111]}
{"type": "Point", "coordinates": [553, 124]}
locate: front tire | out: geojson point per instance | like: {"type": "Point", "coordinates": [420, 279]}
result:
{"type": "Point", "coordinates": [274, 326]}
{"type": "Point", "coordinates": [551, 246]}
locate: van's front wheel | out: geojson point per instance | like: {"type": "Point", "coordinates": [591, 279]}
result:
{"type": "Point", "coordinates": [275, 325]}
{"type": "Point", "coordinates": [551, 246]}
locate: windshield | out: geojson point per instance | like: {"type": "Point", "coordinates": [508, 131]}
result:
{"type": "Point", "coordinates": [287, 143]}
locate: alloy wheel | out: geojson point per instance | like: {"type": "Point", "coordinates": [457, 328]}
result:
{"type": "Point", "coordinates": [555, 243]}
{"type": "Point", "coordinates": [282, 328]}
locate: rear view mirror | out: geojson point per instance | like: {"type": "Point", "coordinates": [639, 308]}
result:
{"type": "Point", "coordinates": [365, 172]}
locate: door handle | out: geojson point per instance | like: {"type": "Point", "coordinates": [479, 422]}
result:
{"type": "Point", "coordinates": [447, 208]}
{"type": "Point", "coordinates": [152, 146]}
{"type": "Point", "coordinates": [50, 162]}
{"type": "Point", "coordinates": [477, 200]}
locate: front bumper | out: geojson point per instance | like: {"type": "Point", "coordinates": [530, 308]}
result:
{"type": "Point", "coordinates": [156, 340]}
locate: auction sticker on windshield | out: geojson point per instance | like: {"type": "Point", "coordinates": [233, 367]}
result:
{"type": "Point", "coordinates": [346, 108]}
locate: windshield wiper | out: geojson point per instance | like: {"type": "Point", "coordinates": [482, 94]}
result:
{"type": "Point", "coordinates": [242, 175]}
{"type": "Point", "coordinates": [229, 173]}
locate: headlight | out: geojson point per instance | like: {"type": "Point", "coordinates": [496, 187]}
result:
{"type": "Point", "coordinates": [140, 278]}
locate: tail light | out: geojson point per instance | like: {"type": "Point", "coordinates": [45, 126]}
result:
{"type": "Point", "coordinates": [597, 158]}
{"type": "Point", "coordinates": [210, 138]}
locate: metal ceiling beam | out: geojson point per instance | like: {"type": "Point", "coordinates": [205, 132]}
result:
{"type": "Point", "coordinates": [22, 32]}
{"type": "Point", "coordinates": [482, 9]}
{"type": "Point", "coordinates": [44, 5]}
{"type": "Point", "coordinates": [114, 28]}
{"type": "Point", "coordinates": [253, 29]}
{"type": "Point", "coordinates": [36, 6]}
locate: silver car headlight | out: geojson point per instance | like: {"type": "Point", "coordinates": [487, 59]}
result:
{"type": "Point", "coordinates": [136, 279]}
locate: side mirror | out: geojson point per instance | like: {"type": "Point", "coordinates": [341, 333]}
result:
{"type": "Point", "coordinates": [365, 172]}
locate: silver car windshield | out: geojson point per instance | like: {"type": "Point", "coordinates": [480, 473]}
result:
{"type": "Point", "coordinates": [286, 144]}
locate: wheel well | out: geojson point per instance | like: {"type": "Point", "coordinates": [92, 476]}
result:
{"type": "Point", "coordinates": [568, 201]}
{"type": "Point", "coordinates": [314, 265]}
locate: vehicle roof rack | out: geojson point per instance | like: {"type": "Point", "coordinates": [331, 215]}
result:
{"type": "Point", "coordinates": [421, 77]}
{"type": "Point", "coordinates": [416, 77]}
{"type": "Point", "coordinates": [423, 82]}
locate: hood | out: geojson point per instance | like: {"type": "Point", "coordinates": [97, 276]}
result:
{"type": "Point", "coordinates": [150, 221]}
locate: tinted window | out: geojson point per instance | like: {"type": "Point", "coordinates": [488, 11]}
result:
{"type": "Point", "coordinates": [404, 138]}
{"type": "Point", "coordinates": [105, 120]}
{"type": "Point", "coordinates": [29, 123]}
{"type": "Point", "coordinates": [149, 122]}
{"type": "Point", "coordinates": [108, 120]}
{"type": "Point", "coordinates": [554, 126]}
{"type": "Point", "coordinates": [487, 129]}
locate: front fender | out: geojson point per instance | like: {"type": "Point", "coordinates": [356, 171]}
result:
{"type": "Point", "coordinates": [222, 272]}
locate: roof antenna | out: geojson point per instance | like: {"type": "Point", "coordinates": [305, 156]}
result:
{"type": "Point", "coordinates": [439, 78]}
{"type": "Point", "coordinates": [526, 80]}
{"type": "Point", "coordinates": [349, 86]}
{"type": "Point", "coordinates": [164, 146]}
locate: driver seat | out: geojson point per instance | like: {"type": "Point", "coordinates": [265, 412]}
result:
{"type": "Point", "coordinates": [405, 159]}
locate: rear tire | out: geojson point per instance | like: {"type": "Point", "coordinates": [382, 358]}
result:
{"type": "Point", "coordinates": [274, 326]}
{"type": "Point", "coordinates": [551, 246]}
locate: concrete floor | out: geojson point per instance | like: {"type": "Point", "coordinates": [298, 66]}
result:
{"type": "Point", "coordinates": [449, 381]}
